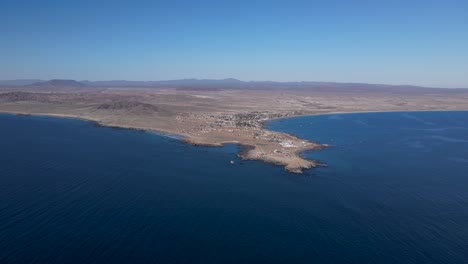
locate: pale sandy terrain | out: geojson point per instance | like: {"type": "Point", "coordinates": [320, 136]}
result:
{"type": "Point", "coordinates": [214, 117]}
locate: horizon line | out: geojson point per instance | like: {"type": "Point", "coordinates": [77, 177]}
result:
{"type": "Point", "coordinates": [222, 79]}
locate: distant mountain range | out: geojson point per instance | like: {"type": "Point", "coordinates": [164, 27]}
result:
{"type": "Point", "coordinates": [58, 83]}
{"type": "Point", "coordinates": [208, 84]}
{"type": "Point", "coordinates": [19, 82]}
{"type": "Point", "coordinates": [42, 83]}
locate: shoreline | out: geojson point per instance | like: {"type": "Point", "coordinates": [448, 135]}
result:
{"type": "Point", "coordinates": [294, 162]}
{"type": "Point", "coordinates": [365, 112]}
{"type": "Point", "coordinates": [98, 123]}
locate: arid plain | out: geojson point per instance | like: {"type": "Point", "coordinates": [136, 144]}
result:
{"type": "Point", "coordinates": [214, 115]}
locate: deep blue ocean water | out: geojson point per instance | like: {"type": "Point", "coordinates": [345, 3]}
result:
{"type": "Point", "coordinates": [395, 191]}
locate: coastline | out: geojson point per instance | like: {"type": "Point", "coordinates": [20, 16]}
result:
{"type": "Point", "coordinates": [366, 112]}
{"type": "Point", "coordinates": [218, 117]}
{"type": "Point", "coordinates": [294, 162]}
{"type": "Point", "coordinates": [99, 123]}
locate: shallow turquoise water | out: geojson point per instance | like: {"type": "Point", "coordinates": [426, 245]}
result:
{"type": "Point", "coordinates": [395, 191]}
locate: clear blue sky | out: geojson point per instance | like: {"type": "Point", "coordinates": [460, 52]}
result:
{"type": "Point", "coordinates": [394, 42]}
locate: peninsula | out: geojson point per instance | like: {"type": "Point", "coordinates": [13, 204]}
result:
{"type": "Point", "coordinates": [215, 112]}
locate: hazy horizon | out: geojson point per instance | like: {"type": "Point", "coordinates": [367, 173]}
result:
{"type": "Point", "coordinates": [421, 43]}
{"type": "Point", "coordinates": [32, 80]}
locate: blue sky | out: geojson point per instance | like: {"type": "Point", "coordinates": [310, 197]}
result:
{"type": "Point", "coordinates": [394, 42]}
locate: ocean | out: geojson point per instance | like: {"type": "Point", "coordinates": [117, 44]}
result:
{"type": "Point", "coordinates": [395, 191]}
